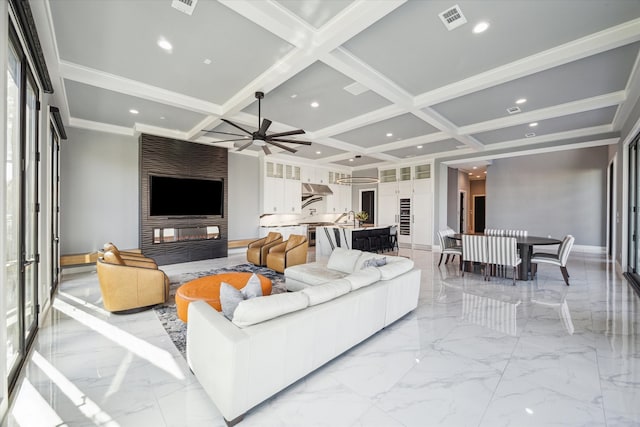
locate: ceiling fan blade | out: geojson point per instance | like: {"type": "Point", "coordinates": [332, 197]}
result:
{"type": "Point", "coordinates": [223, 133]}
{"type": "Point", "coordinates": [266, 150]}
{"type": "Point", "coordinates": [293, 141]}
{"type": "Point", "coordinates": [244, 146]}
{"type": "Point", "coordinates": [265, 125]}
{"type": "Point", "coordinates": [291, 132]}
{"type": "Point", "coordinates": [236, 126]}
{"type": "Point", "coordinates": [284, 147]}
{"type": "Point", "coordinates": [237, 139]}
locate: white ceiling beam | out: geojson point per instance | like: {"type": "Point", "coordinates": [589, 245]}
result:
{"type": "Point", "coordinates": [409, 142]}
{"type": "Point", "coordinates": [580, 106]}
{"type": "Point", "coordinates": [100, 79]}
{"type": "Point", "coordinates": [100, 127]}
{"type": "Point", "coordinates": [371, 117]}
{"type": "Point", "coordinates": [160, 131]}
{"type": "Point", "coordinates": [592, 44]}
{"type": "Point", "coordinates": [633, 94]}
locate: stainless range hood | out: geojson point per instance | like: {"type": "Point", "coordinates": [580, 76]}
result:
{"type": "Point", "coordinates": [316, 190]}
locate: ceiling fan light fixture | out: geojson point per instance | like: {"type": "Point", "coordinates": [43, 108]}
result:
{"type": "Point", "coordinates": [259, 142]}
{"type": "Point", "coordinates": [358, 180]}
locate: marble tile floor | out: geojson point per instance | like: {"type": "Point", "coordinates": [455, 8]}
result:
{"type": "Point", "coordinates": [473, 353]}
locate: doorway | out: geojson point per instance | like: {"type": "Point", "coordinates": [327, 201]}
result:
{"type": "Point", "coordinates": [479, 213]}
{"type": "Point", "coordinates": [368, 204]}
{"type": "Point", "coordinates": [611, 210]}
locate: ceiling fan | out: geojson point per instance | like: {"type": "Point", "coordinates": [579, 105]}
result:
{"type": "Point", "coordinates": [260, 137]}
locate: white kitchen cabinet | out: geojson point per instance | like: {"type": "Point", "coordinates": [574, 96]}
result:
{"type": "Point", "coordinates": [313, 175]}
{"type": "Point", "coordinates": [405, 197]}
{"type": "Point", "coordinates": [281, 189]}
{"type": "Point", "coordinates": [340, 200]}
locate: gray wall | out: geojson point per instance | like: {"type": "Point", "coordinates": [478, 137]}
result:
{"type": "Point", "coordinates": [244, 196]}
{"type": "Point", "coordinates": [551, 194]}
{"type": "Point", "coordinates": [98, 191]}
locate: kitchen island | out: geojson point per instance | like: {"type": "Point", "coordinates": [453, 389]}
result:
{"type": "Point", "coordinates": [349, 237]}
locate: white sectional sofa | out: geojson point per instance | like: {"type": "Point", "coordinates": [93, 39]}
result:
{"type": "Point", "coordinates": [275, 340]}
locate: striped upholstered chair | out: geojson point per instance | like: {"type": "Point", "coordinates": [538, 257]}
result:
{"type": "Point", "coordinates": [474, 249]}
{"type": "Point", "coordinates": [448, 246]}
{"type": "Point", "coordinates": [503, 251]}
{"type": "Point", "coordinates": [560, 259]}
{"type": "Point", "coordinates": [515, 233]}
{"type": "Point", "coordinates": [493, 232]}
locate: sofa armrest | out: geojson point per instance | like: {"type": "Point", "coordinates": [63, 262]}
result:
{"type": "Point", "coordinates": [256, 243]}
{"type": "Point", "coordinates": [140, 263]}
{"type": "Point", "coordinates": [218, 354]}
{"type": "Point", "coordinates": [278, 248]}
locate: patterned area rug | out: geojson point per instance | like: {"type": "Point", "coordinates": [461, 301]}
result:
{"type": "Point", "coordinates": [176, 328]}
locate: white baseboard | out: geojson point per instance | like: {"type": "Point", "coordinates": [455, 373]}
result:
{"type": "Point", "coordinates": [590, 249]}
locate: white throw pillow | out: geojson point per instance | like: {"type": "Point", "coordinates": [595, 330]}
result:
{"type": "Point", "coordinates": [343, 260]}
{"type": "Point", "coordinates": [256, 310]}
{"type": "Point", "coordinates": [230, 297]}
{"type": "Point", "coordinates": [363, 277]}
{"type": "Point", "coordinates": [327, 291]}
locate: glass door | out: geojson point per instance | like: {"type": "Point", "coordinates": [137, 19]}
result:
{"type": "Point", "coordinates": [55, 209]}
{"type": "Point", "coordinates": [30, 207]}
{"type": "Point", "coordinates": [21, 222]}
{"type": "Point", "coordinates": [12, 220]}
{"type": "Point", "coordinates": [633, 267]}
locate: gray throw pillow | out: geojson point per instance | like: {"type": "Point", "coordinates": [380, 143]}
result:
{"type": "Point", "coordinates": [375, 262]}
{"type": "Point", "coordinates": [230, 297]}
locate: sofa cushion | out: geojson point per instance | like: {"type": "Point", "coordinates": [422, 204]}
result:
{"type": "Point", "coordinates": [314, 273]}
{"type": "Point", "coordinates": [343, 260]}
{"type": "Point", "coordinates": [256, 310]}
{"type": "Point", "coordinates": [327, 291]}
{"type": "Point", "coordinates": [363, 277]}
{"type": "Point", "coordinates": [394, 267]}
{"type": "Point", "coordinates": [230, 297]}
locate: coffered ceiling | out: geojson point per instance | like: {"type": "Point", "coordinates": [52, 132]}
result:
{"type": "Point", "coordinates": [391, 82]}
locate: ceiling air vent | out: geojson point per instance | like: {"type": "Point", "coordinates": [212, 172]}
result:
{"type": "Point", "coordinates": [529, 135]}
{"type": "Point", "coordinates": [513, 110]}
{"type": "Point", "coordinates": [452, 17]}
{"type": "Point", "coordinates": [184, 6]}
{"type": "Point", "coordinates": [356, 88]}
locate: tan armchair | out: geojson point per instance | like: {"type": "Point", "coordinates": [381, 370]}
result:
{"type": "Point", "coordinates": [289, 253]}
{"type": "Point", "coordinates": [127, 287]}
{"type": "Point", "coordinates": [258, 249]}
{"type": "Point", "coordinates": [131, 258]}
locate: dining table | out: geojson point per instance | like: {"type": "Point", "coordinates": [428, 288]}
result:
{"type": "Point", "coordinates": [525, 248]}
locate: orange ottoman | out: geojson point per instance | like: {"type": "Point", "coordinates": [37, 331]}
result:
{"type": "Point", "coordinates": [208, 289]}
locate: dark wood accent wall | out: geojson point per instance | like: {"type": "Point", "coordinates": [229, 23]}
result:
{"type": "Point", "coordinates": [171, 157]}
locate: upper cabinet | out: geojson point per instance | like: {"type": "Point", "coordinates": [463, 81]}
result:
{"type": "Point", "coordinates": [281, 188]}
{"type": "Point", "coordinates": [313, 175]}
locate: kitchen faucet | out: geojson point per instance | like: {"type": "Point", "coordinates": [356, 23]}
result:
{"type": "Point", "coordinates": [354, 217]}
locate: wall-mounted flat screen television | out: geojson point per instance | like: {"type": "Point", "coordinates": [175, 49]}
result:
{"type": "Point", "coordinates": [170, 196]}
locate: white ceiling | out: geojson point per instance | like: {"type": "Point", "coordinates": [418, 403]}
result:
{"type": "Point", "coordinates": [575, 62]}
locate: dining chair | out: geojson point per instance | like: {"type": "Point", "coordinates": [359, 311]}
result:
{"type": "Point", "coordinates": [448, 246]}
{"type": "Point", "coordinates": [560, 259]}
{"type": "Point", "coordinates": [515, 233]}
{"type": "Point", "coordinates": [493, 232]}
{"type": "Point", "coordinates": [474, 249]}
{"type": "Point", "coordinates": [503, 251]}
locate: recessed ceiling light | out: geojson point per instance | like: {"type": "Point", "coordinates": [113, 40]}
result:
{"type": "Point", "coordinates": [419, 147]}
{"type": "Point", "coordinates": [207, 61]}
{"type": "Point", "coordinates": [318, 152]}
{"type": "Point", "coordinates": [351, 160]}
{"type": "Point", "coordinates": [480, 27]}
{"type": "Point", "coordinates": [532, 125]}
{"type": "Point", "coordinates": [485, 171]}
{"type": "Point", "coordinates": [295, 95]}
{"type": "Point", "coordinates": [315, 104]}
{"type": "Point", "coordinates": [162, 117]}
{"type": "Point", "coordinates": [475, 167]}
{"type": "Point", "coordinates": [521, 101]}
{"type": "Point", "coordinates": [164, 44]}
{"type": "Point", "coordinates": [470, 173]}
{"type": "Point", "coordinates": [134, 111]}
{"type": "Point", "coordinates": [389, 134]}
